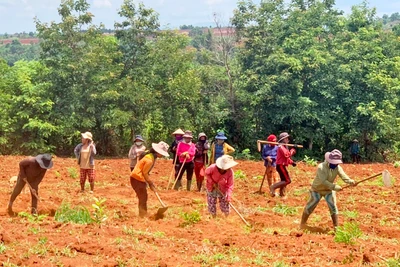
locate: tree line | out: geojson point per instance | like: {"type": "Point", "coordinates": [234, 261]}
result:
{"type": "Point", "coordinates": [303, 67]}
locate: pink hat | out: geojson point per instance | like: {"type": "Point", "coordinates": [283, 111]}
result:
{"type": "Point", "coordinates": [334, 157]}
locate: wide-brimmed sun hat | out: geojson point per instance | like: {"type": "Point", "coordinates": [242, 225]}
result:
{"type": "Point", "coordinates": [355, 141]}
{"type": "Point", "coordinates": [188, 134]}
{"type": "Point", "coordinates": [87, 135]}
{"type": "Point", "coordinates": [202, 135]}
{"type": "Point", "coordinates": [225, 162]}
{"type": "Point", "coordinates": [45, 161]}
{"type": "Point", "coordinates": [283, 136]}
{"type": "Point", "coordinates": [221, 136]}
{"type": "Point", "coordinates": [178, 132]}
{"type": "Point", "coordinates": [161, 148]}
{"type": "Point", "coordinates": [334, 157]}
{"type": "Point", "coordinates": [139, 137]}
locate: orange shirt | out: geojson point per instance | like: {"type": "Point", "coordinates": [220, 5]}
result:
{"type": "Point", "coordinates": [143, 167]}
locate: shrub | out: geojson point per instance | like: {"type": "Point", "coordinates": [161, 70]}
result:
{"type": "Point", "coordinates": [99, 215]}
{"type": "Point", "coordinates": [78, 214]}
{"type": "Point", "coordinates": [310, 161]}
{"type": "Point", "coordinates": [347, 233]}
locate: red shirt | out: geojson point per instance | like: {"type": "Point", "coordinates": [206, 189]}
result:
{"type": "Point", "coordinates": [283, 156]}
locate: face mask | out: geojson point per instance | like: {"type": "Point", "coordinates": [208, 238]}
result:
{"type": "Point", "coordinates": [220, 141]}
{"type": "Point", "coordinates": [139, 143]}
{"type": "Point", "coordinates": [202, 141]}
{"type": "Point", "coordinates": [332, 166]}
{"type": "Point", "coordinates": [178, 137]}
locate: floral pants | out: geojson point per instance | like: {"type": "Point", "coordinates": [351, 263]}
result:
{"type": "Point", "coordinates": [212, 204]}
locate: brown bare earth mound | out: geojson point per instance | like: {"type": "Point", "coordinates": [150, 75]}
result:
{"type": "Point", "coordinates": [187, 236]}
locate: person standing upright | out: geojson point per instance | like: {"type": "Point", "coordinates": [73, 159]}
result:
{"type": "Point", "coordinates": [201, 159]}
{"type": "Point", "coordinates": [355, 151]}
{"type": "Point", "coordinates": [85, 153]}
{"type": "Point", "coordinates": [136, 149]}
{"type": "Point", "coordinates": [283, 159]}
{"type": "Point", "coordinates": [269, 153]}
{"type": "Point", "coordinates": [185, 155]}
{"type": "Point", "coordinates": [220, 147]}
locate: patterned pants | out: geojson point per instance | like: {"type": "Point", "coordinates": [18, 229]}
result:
{"type": "Point", "coordinates": [212, 204]}
{"type": "Point", "coordinates": [315, 197]}
{"type": "Point", "coordinates": [90, 173]}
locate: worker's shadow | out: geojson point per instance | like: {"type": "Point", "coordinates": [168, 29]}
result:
{"type": "Point", "coordinates": [316, 230]}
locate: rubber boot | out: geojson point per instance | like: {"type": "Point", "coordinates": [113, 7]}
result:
{"type": "Point", "coordinates": [304, 218]}
{"type": "Point", "coordinates": [335, 220]}
{"type": "Point", "coordinates": [275, 186]}
{"type": "Point", "coordinates": [177, 185]}
{"type": "Point", "coordinates": [188, 185]}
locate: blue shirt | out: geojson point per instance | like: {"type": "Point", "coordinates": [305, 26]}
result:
{"type": "Point", "coordinates": [219, 151]}
{"type": "Point", "coordinates": [269, 151]}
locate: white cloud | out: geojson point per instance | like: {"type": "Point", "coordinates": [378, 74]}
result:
{"type": "Point", "coordinates": [101, 3]}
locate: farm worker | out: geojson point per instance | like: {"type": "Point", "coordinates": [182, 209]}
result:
{"type": "Point", "coordinates": [268, 154]}
{"type": "Point", "coordinates": [355, 151]}
{"type": "Point", "coordinates": [140, 174]}
{"type": "Point", "coordinates": [177, 139]}
{"type": "Point", "coordinates": [185, 154]}
{"type": "Point", "coordinates": [219, 179]}
{"type": "Point", "coordinates": [220, 147]}
{"type": "Point", "coordinates": [31, 171]}
{"type": "Point", "coordinates": [323, 186]}
{"type": "Point", "coordinates": [136, 149]}
{"type": "Point", "coordinates": [85, 153]}
{"type": "Point", "coordinates": [283, 159]}
{"type": "Point", "coordinates": [201, 159]}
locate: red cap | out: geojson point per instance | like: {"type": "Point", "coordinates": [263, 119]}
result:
{"type": "Point", "coordinates": [271, 138]}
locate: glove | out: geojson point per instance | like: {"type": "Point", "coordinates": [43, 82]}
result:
{"type": "Point", "coordinates": [352, 182]}
{"type": "Point", "coordinates": [295, 146]}
{"type": "Point", "coordinates": [337, 187]}
{"type": "Point", "coordinates": [292, 151]}
{"type": "Point", "coordinates": [294, 164]}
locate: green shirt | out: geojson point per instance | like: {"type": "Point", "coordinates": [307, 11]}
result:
{"type": "Point", "coordinates": [323, 182]}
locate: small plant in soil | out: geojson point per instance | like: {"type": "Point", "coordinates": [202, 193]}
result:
{"type": "Point", "coordinates": [73, 173]}
{"type": "Point", "coordinates": [239, 174]}
{"type": "Point", "coordinates": [8, 264]}
{"type": "Point", "coordinates": [3, 248]}
{"type": "Point", "coordinates": [350, 214]}
{"type": "Point", "coordinates": [32, 218]}
{"type": "Point", "coordinates": [310, 161]}
{"type": "Point", "coordinates": [285, 209]}
{"type": "Point", "coordinates": [80, 215]}
{"type": "Point", "coordinates": [190, 218]}
{"type": "Point", "coordinates": [99, 215]}
{"type": "Point", "coordinates": [347, 233]}
{"type": "Point", "coordinates": [396, 164]}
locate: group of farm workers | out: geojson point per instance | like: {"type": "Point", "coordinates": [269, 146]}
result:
{"type": "Point", "coordinates": [192, 157]}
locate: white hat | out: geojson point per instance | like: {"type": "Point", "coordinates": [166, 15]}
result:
{"type": "Point", "coordinates": [178, 132]}
{"type": "Point", "coordinates": [87, 135]}
{"type": "Point", "coordinates": [161, 148]}
{"type": "Point", "coordinates": [225, 162]}
{"type": "Point", "coordinates": [334, 157]}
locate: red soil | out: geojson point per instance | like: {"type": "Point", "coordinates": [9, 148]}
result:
{"type": "Point", "coordinates": [126, 240]}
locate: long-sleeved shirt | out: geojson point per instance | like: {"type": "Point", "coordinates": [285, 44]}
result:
{"type": "Point", "coordinates": [283, 156]}
{"type": "Point", "coordinates": [323, 182]}
{"type": "Point", "coordinates": [224, 181]}
{"type": "Point", "coordinates": [269, 151]}
{"type": "Point", "coordinates": [184, 147]}
{"type": "Point", "coordinates": [134, 154]}
{"type": "Point", "coordinates": [93, 152]}
{"type": "Point", "coordinates": [227, 149]}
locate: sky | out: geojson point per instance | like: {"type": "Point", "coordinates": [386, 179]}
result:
{"type": "Point", "coordinates": [17, 15]}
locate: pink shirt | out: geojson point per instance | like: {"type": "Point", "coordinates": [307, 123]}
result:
{"type": "Point", "coordinates": [283, 156]}
{"type": "Point", "coordinates": [224, 181]}
{"type": "Point", "coordinates": [184, 147]}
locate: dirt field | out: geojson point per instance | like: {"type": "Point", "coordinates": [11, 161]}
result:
{"type": "Point", "coordinates": [274, 239]}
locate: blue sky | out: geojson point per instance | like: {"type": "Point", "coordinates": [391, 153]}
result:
{"type": "Point", "coordinates": [17, 15]}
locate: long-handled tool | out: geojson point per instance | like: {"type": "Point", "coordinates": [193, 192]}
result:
{"type": "Point", "coordinates": [387, 181]}
{"type": "Point", "coordinates": [233, 207]}
{"type": "Point", "coordinates": [179, 173]}
{"type": "Point", "coordinates": [172, 171]}
{"type": "Point", "coordinates": [259, 142]}
{"type": "Point", "coordinates": [160, 211]}
{"type": "Point", "coordinates": [262, 182]}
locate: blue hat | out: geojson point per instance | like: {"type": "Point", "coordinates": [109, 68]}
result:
{"type": "Point", "coordinates": [139, 137]}
{"type": "Point", "coordinates": [221, 136]}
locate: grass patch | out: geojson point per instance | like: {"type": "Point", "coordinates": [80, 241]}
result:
{"type": "Point", "coordinates": [73, 173]}
{"type": "Point", "coordinates": [310, 161]}
{"type": "Point", "coordinates": [301, 191]}
{"type": "Point", "coordinates": [350, 214]}
{"type": "Point", "coordinates": [285, 209]}
{"type": "Point", "coordinates": [32, 218]}
{"type": "Point", "coordinates": [3, 248]}
{"type": "Point", "coordinates": [79, 214]}
{"type": "Point", "coordinates": [239, 174]}
{"type": "Point", "coordinates": [348, 233]}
